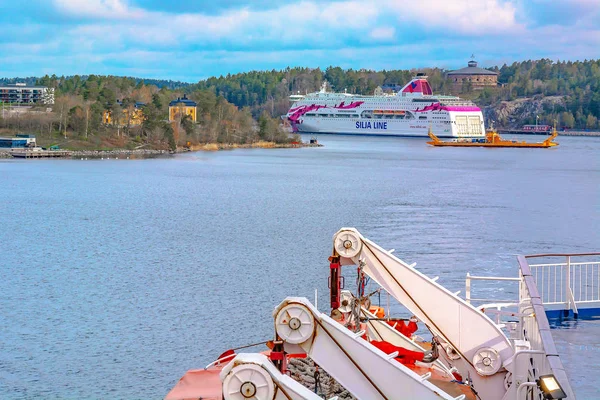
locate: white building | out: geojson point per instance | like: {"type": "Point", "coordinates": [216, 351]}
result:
{"type": "Point", "coordinates": [21, 93]}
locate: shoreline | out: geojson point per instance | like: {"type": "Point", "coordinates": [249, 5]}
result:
{"type": "Point", "coordinates": [143, 153]}
{"type": "Point", "coordinates": [560, 133]}
{"type": "Point", "coordinates": [256, 145]}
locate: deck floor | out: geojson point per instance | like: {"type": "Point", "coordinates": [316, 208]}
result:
{"type": "Point", "coordinates": [578, 343]}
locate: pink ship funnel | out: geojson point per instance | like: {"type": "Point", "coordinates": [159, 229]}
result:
{"type": "Point", "coordinates": [418, 85]}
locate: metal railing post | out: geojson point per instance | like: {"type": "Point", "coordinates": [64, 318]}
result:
{"type": "Point", "coordinates": [524, 385]}
{"type": "Point", "coordinates": [568, 283]}
{"type": "Point", "coordinates": [468, 288]}
{"type": "Point", "coordinates": [518, 375]}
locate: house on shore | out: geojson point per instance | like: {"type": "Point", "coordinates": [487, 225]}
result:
{"type": "Point", "coordinates": [181, 107]}
{"type": "Point", "coordinates": [135, 119]}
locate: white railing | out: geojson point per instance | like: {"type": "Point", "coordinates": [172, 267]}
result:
{"type": "Point", "coordinates": [524, 319]}
{"type": "Point", "coordinates": [535, 330]}
{"type": "Point", "coordinates": [567, 285]}
{"type": "Point", "coordinates": [574, 284]}
{"type": "Point", "coordinates": [571, 284]}
{"type": "Point", "coordinates": [468, 293]}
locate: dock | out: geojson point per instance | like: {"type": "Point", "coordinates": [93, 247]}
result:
{"type": "Point", "coordinates": [546, 133]}
{"type": "Point", "coordinates": [40, 153]}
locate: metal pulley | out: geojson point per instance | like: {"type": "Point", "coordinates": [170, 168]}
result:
{"type": "Point", "coordinates": [345, 301]}
{"type": "Point", "coordinates": [347, 243]}
{"type": "Point", "coordinates": [487, 361]}
{"type": "Point", "coordinates": [248, 381]}
{"type": "Point", "coordinates": [294, 324]}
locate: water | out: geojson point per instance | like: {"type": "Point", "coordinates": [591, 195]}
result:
{"type": "Point", "coordinates": [120, 275]}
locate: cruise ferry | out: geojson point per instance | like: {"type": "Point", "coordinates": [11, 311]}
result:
{"type": "Point", "coordinates": [410, 112]}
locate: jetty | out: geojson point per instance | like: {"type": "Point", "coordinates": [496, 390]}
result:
{"type": "Point", "coordinates": [545, 133]}
{"type": "Point", "coordinates": [39, 153]}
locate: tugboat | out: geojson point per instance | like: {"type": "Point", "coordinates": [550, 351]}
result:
{"type": "Point", "coordinates": [492, 139]}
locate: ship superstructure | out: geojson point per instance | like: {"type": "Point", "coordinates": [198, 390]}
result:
{"type": "Point", "coordinates": [410, 112]}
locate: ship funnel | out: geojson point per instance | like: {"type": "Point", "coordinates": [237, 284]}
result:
{"type": "Point", "coordinates": [418, 85]}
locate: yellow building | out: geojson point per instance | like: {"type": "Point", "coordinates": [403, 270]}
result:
{"type": "Point", "coordinates": [181, 107]}
{"type": "Point", "coordinates": [137, 115]}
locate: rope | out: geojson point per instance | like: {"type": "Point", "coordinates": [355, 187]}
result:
{"type": "Point", "coordinates": [360, 283]}
{"type": "Point", "coordinates": [378, 291]}
{"type": "Point", "coordinates": [317, 376]}
{"type": "Point", "coordinates": [250, 345]}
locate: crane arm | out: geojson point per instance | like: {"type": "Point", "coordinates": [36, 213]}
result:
{"type": "Point", "coordinates": [482, 347]}
{"type": "Point", "coordinates": [382, 331]}
{"type": "Point", "coordinates": [447, 315]}
{"type": "Point", "coordinates": [364, 370]}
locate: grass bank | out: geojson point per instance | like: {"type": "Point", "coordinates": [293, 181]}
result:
{"type": "Point", "coordinates": [256, 145]}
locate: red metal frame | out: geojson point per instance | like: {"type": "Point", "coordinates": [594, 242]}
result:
{"type": "Point", "coordinates": [335, 282]}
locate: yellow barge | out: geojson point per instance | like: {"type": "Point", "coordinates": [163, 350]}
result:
{"type": "Point", "coordinates": [493, 139]}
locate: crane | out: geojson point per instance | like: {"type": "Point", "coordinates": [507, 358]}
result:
{"type": "Point", "coordinates": [474, 344]}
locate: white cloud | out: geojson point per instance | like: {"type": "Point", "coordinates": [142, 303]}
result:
{"type": "Point", "coordinates": [383, 32]}
{"type": "Point", "coordinates": [292, 22]}
{"type": "Point", "coordinates": [106, 33]}
{"type": "Point", "coordinates": [464, 16]}
{"type": "Point", "coordinates": [350, 14]}
{"type": "Point", "coordinates": [101, 9]}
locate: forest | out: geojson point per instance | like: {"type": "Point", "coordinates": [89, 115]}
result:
{"type": "Point", "coordinates": [246, 107]}
{"type": "Point", "coordinates": [575, 87]}
{"type": "Point", "coordinates": [78, 116]}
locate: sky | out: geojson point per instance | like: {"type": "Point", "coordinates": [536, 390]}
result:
{"type": "Point", "coordinates": [189, 40]}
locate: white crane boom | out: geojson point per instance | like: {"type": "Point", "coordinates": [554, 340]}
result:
{"type": "Point", "coordinates": [485, 352]}
{"type": "Point", "coordinates": [364, 370]}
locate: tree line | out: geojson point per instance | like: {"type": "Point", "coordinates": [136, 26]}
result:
{"type": "Point", "coordinates": [82, 103]}
{"type": "Point", "coordinates": [246, 107]}
{"type": "Point", "coordinates": [576, 83]}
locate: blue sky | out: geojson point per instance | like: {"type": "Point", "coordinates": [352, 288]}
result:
{"type": "Point", "coordinates": [193, 39]}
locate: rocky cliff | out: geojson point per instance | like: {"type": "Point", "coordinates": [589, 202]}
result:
{"type": "Point", "coordinates": [519, 112]}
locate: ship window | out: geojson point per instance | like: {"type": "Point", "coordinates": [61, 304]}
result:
{"type": "Point", "coordinates": [310, 115]}
{"type": "Point", "coordinates": [422, 117]}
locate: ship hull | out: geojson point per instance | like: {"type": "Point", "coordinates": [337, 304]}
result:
{"type": "Point", "coordinates": [493, 140]}
{"type": "Point", "coordinates": [496, 145]}
{"type": "Point", "coordinates": [370, 128]}
{"type": "Point", "coordinates": [411, 113]}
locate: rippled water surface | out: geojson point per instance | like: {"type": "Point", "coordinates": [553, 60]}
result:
{"type": "Point", "coordinates": [119, 275]}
